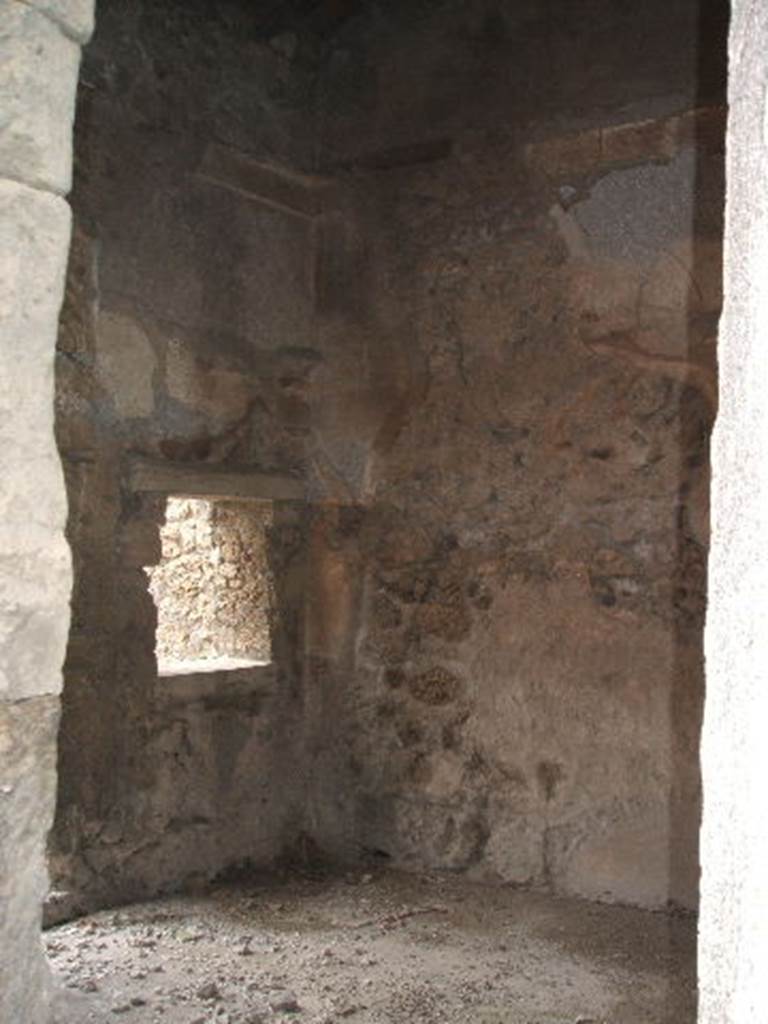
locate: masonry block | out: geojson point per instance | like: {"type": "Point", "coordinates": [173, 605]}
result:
{"type": "Point", "coordinates": [27, 787]}
{"type": "Point", "coordinates": [75, 17]}
{"type": "Point", "coordinates": [35, 575]}
{"type": "Point", "coordinates": [38, 73]}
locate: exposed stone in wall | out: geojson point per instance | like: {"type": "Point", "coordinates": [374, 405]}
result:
{"type": "Point", "coordinates": [524, 575]}
{"type": "Point", "coordinates": [38, 69]}
{"type": "Point", "coordinates": [212, 587]}
{"type": "Point", "coordinates": [497, 381]}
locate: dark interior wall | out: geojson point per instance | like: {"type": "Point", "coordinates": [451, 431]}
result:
{"type": "Point", "coordinates": [504, 644]}
{"type": "Point", "coordinates": [506, 632]}
{"type": "Point", "coordinates": [183, 341]}
{"type": "Point", "coordinates": [479, 327]}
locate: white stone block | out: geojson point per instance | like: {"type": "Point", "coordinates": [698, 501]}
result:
{"type": "Point", "coordinates": [733, 923]}
{"type": "Point", "coordinates": [74, 16]}
{"type": "Point", "coordinates": [35, 573]}
{"type": "Point", "coordinates": [38, 78]}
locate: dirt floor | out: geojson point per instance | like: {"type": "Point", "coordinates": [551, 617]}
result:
{"type": "Point", "coordinates": [379, 947]}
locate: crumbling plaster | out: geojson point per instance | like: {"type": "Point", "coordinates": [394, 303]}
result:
{"type": "Point", "coordinates": [491, 375]}
{"type": "Point", "coordinates": [34, 231]}
{"type": "Point", "coordinates": [181, 353]}
{"type": "Point", "coordinates": [505, 637]}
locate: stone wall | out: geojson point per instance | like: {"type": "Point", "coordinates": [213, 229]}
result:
{"type": "Point", "coordinates": [483, 343]}
{"type": "Point", "coordinates": [39, 56]}
{"type": "Point", "coordinates": [733, 931]}
{"type": "Point", "coordinates": [212, 588]}
{"type": "Point", "coordinates": [508, 411]}
{"type": "Point", "coordinates": [505, 623]}
{"type": "Point", "coordinates": [182, 345]}
{"type": "Point", "coordinates": [525, 584]}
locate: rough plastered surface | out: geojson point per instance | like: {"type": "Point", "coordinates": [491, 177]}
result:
{"type": "Point", "coordinates": [484, 342]}
{"type": "Point", "coordinates": [505, 637]}
{"type": "Point", "coordinates": [38, 69]}
{"type": "Point", "coordinates": [505, 633]}
{"type": "Point", "coordinates": [182, 344]}
{"type": "Point", "coordinates": [734, 918]}
{"type": "Point", "coordinates": [212, 586]}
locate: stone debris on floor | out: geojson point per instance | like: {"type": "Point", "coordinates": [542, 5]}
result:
{"type": "Point", "coordinates": [324, 949]}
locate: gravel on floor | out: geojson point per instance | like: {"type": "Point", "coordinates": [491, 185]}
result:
{"type": "Point", "coordinates": [373, 947]}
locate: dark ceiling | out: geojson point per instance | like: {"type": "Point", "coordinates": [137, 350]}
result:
{"type": "Point", "coordinates": [320, 16]}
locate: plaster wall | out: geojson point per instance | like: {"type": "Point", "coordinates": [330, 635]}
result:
{"type": "Point", "coordinates": [39, 57]}
{"type": "Point", "coordinates": [182, 343]}
{"type": "Point", "coordinates": [505, 634]}
{"type": "Point", "coordinates": [483, 343]}
{"type": "Point", "coordinates": [418, 678]}
{"type": "Point", "coordinates": [504, 640]}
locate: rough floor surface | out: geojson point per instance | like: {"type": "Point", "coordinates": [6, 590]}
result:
{"type": "Point", "coordinates": [374, 948]}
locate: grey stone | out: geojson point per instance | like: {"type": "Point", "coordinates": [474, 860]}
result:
{"type": "Point", "coordinates": [75, 17]}
{"type": "Point", "coordinates": [27, 773]}
{"type": "Point", "coordinates": [38, 74]}
{"type": "Point", "coordinates": [34, 235]}
{"type": "Point", "coordinates": [284, 1002]}
{"type": "Point", "coordinates": [35, 574]}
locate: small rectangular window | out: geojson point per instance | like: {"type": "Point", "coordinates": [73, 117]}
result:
{"type": "Point", "coordinates": [212, 586]}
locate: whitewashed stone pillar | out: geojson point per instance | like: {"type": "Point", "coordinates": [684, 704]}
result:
{"type": "Point", "coordinates": [733, 947]}
{"type": "Point", "coordinates": [39, 57]}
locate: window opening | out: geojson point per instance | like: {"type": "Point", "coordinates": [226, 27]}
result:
{"type": "Point", "coordinates": [212, 586]}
